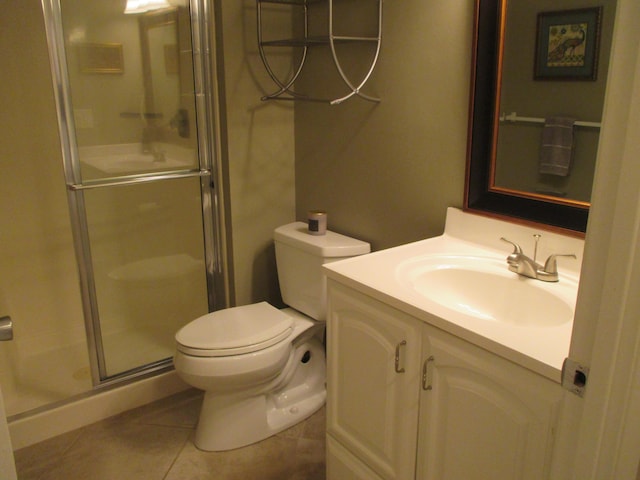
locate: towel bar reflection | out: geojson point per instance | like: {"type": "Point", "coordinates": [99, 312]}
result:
{"type": "Point", "coordinates": [513, 117]}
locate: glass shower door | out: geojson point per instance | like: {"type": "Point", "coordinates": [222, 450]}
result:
{"type": "Point", "coordinates": [138, 177]}
{"type": "Point", "coordinates": [148, 260]}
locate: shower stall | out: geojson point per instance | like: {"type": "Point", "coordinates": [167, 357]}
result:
{"type": "Point", "coordinates": [115, 247]}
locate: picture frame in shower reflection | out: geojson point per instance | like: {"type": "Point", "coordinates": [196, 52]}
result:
{"type": "Point", "coordinates": [100, 58]}
{"type": "Point", "coordinates": [567, 44]}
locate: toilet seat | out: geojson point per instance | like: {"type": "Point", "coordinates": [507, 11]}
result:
{"type": "Point", "coordinates": [234, 331]}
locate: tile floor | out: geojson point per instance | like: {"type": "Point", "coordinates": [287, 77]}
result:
{"type": "Point", "coordinates": [155, 442]}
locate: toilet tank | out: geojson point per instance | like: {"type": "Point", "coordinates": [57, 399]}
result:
{"type": "Point", "coordinates": [300, 256]}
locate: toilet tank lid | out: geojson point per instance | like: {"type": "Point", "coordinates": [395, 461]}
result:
{"type": "Point", "coordinates": [331, 244]}
{"type": "Point", "coordinates": [235, 327]}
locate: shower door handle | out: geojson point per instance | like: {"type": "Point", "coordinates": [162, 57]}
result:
{"type": "Point", "coordinates": [6, 329]}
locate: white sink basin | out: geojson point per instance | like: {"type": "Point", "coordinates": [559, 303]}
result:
{"type": "Point", "coordinates": [459, 282]}
{"type": "Point", "coordinates": [483, 288]}
{"type": "Point", "coordinates": [127, 159]}
{"type": "Point", "coordinates": [133, 162]}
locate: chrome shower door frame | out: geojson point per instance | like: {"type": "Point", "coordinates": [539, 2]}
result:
{"type": "Point", "coordinates": [207, 118]}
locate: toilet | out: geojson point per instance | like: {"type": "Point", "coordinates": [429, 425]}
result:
{"type": "Point", "coordinates": [263, 369]}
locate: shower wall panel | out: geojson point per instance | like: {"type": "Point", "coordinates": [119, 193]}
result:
{"type": "Point", "coordinates": [47, 360]}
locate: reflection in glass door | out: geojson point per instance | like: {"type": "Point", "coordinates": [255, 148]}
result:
{"type": "Point", "coordinates": [138, 176]}
{"type": "Point", "coordinates": [148, 263]}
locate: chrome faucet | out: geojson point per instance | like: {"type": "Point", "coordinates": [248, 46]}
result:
{"type": "Point", "coordinates": [523, 265]}
{"type": "Point", "coordinates": [150, 147]}
{"type": "Point", "coordinates": [158, 154]}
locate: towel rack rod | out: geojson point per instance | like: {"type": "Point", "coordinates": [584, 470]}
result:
{"type": "Point", "coordinates": [513, 117]}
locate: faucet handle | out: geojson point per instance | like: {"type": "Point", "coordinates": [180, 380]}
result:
{"type": "Point", "coordinates": [516, 248]}
{"type": "Point", "coordinates": [551, 265]}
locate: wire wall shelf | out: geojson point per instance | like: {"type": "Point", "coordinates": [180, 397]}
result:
{"type": "Point", "coordinates": [285, 87]}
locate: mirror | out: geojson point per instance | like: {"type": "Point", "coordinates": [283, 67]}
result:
{"type": "Point", "coordinates": [158, 44]}
{"type": "Point", "coordinates": [538, 80]}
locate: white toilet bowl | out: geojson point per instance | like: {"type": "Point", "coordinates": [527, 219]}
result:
{"type": "Point", "coordinates": [263, 369]}
{"type": "Point", "coordinates": [257, 381]}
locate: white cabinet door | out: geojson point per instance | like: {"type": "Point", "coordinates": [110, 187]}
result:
{"type": "Point", "coordinates": [481, 416]}
{"type": "Point", "coordinates": [343, 465]}
{"type": "Point", "coordinates": [372, 383]}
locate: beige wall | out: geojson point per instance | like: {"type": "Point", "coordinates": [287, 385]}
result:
{"type": "Point", "coordinates": [387, 172]}
{"type": "Point", "coordinates": [260, 156]}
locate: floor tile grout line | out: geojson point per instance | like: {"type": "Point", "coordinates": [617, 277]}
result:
{"type": "Point", "coordinates": [182, 449]}
{"type": "Point", "coordinates": [64, 452]}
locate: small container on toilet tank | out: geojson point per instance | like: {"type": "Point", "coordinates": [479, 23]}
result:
{"type": "Point", "coordinates": [317, 222]}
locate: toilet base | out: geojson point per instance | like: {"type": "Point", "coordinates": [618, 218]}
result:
{"type": "Point", "coordinates": [232, 421]}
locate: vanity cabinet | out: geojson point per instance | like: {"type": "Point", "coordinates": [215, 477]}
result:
{"type": "Point", "coordinates": [373, 375]}
{"type": "Point", "coordinates": [482, 416]}
{"type": "Point", "coordinates": [407, 400]}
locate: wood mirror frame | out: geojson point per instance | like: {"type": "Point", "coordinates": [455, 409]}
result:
{"type": "Point", "coordinates": [480, 197]}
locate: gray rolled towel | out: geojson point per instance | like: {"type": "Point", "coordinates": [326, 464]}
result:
{"type": "Point", "coordinates": [556, 149]}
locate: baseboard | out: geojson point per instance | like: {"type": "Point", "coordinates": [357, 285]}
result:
{"type": "Point", "coordinates": [40, 426]}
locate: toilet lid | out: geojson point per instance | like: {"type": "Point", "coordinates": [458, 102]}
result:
{"type": "Point", "coordinates": [234, 331]}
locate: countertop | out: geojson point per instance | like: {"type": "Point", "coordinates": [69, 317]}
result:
{"type": "Point", "coordinates": [541, 349]}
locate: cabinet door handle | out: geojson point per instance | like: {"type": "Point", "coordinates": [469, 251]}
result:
{"type": "Point", "coordinates": [6, 328]}
{"type": "Point", "coordinates": [397, 366]}
{"type": "Point", "coordinates": [426, 373]}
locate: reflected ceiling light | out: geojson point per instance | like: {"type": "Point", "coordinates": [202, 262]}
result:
{"type": "Point", "coordinates": [142, 6]}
